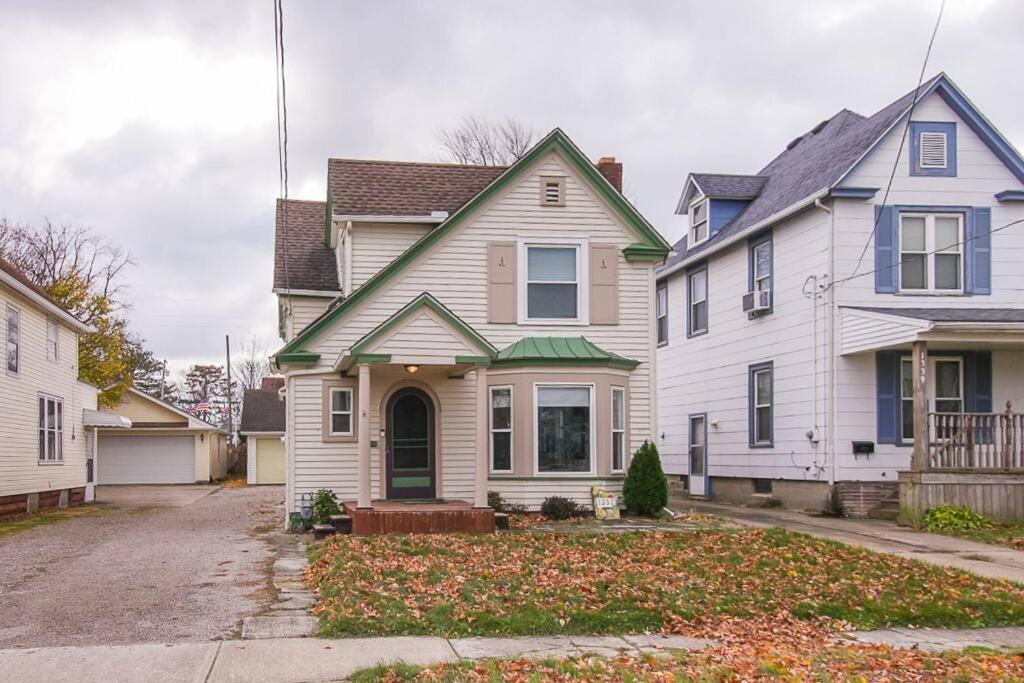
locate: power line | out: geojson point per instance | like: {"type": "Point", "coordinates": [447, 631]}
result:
{"type": "Point", "coordinates": [945, 249]}
{"type": "Point", "coordinates": [903, 140]}
{"type": "Point", "coordinates": [282, 134]}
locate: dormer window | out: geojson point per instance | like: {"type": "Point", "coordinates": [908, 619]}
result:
{"type": "Point", "coordinates": [932, 149]}
{"type": "Point", "coordinates": [552, 191]}
{"type": "Point", "coordinates": [698, 222]}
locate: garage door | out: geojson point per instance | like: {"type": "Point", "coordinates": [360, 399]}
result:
{"type": "Point", "coordinates": [269, 461]}
{"type": "Point", "coordinates": [141, 459]}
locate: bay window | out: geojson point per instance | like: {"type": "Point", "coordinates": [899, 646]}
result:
{"type": "Point", "coordinates": [501, 429]}
{"type": "Point", "coordinates": [618, 429]}
{"type": "Point", "coordinates": [563, 428]}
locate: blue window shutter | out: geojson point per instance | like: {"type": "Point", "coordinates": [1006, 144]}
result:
{"type": "Point", "coordinates": [978, 381]}
{"type": "Point", "coordinates": [979, 251]}
{"type": "Point", "coordinates": [887, 390]}
{"type": "Point", "coordinates": [886, 249]}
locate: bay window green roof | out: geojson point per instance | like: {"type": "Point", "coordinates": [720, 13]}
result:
{"type": "Point", "coordinates": [560, 351]}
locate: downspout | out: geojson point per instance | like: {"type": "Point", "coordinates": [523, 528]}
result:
{"type": "Point", "coordinates": [346, 283]}
{"type": "Point", "coordinates": [830, 421]}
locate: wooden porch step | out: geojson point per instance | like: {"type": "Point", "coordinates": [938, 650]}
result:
{"type": "Point", "coordinates": [342, 523]}
{"type": "Point", "coordinates": [322, 531]}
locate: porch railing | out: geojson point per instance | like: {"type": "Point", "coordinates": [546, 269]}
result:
{"type": "Point", "coordinates": [992, 442]}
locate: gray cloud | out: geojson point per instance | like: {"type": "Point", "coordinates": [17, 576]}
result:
{"type": "Point", "coordinates": [153, 122]}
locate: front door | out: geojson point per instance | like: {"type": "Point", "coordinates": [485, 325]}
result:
{"type": "Point", "coordinates": [698, 456]}
{"type": "Point", "coordinates": [411, 465]}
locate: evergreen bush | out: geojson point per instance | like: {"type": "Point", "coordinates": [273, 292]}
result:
{"type": "Point", "coordinates": [646, 489]}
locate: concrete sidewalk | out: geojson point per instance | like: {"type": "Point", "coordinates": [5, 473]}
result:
{"type": "Point", "coordinates": [295, 660]}
{"type": "Point", "coordinates": [991, 561]}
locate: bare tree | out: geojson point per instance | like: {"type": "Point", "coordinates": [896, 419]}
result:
{"type": "Point", "coordinates": [55, 255]}
{"type": "Point", "coordinates": [486, 143]}
{"type": "Point", "coordinates": [253, 364]}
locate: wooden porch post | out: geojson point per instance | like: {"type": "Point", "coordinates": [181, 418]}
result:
{"type": "Point", "coordinates": [482, 448]}
{"type": "Point", "coordinates": [920, 360]}
{"type": "Point", "coordinates": [364, 500]}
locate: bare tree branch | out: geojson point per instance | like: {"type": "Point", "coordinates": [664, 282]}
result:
{"type": "Point", "coordinates": [486, 143]}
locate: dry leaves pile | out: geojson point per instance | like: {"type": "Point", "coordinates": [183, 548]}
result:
{"type": "Point", "coordinates": [692, 583]}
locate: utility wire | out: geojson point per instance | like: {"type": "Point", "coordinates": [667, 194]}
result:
{"type": "Point", "coordinates": [282, 137]}
{"type": "Point", "coordinates": [929, 253]}
{"type": "Point", "coordinates": [903, 140]}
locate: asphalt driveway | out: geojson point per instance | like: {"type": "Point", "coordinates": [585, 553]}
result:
{"type": "Point", "coordinates": [150, 565]}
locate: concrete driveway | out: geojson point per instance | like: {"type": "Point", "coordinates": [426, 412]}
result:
{"type": "Point", "coordinates": [152, 564]}
{"type": "Point", "coordinates": [153, 495]}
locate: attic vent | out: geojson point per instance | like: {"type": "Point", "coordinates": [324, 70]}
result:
{"type": "Point", "coordinates": [552, 191]}
{"type": "Point", "coordinates": [933, 150]}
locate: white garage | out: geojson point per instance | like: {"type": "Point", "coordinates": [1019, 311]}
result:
{"type": "Point", "coordinates": [164, 445]}
{"type": "Point", "coordinates": [145, 459]}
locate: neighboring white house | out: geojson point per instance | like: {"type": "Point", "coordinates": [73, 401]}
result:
{"type": "Point", "coordinates": [164, 445]}
{"type": "Point", "coordinates": [44, 406]}
{"type": "Point", "coordinates": [786, 316]}
{"type": "Point", "coordinates": [457, 329]}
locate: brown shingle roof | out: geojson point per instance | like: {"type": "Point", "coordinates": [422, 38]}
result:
{"type": "Point", "coordinates": [397, 188]}
{"type": "Point", "coordinates": [311, 265]}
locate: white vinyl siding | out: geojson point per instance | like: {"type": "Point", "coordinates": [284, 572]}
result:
{"type": "Point", "coordinates": [374, 245]}
{"type": "Point", "coordinates": [21, 470]}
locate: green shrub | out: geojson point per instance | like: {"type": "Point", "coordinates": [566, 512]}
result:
{"type": "Point", "coordinates": [557, 507]}
{"type": "Point", "coordinates": [645, 491]}
{"type": "Point", "coordinates": [499, 504]}
{"type": "Point", "coordinates": [324, 505]}
{"type": "Point", "coordinates": [955, 518]}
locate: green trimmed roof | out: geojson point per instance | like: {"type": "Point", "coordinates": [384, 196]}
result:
{"type": "Point", "coordinates": [651, 246]}
{"type": "Point", "coordinates": [560, 351]}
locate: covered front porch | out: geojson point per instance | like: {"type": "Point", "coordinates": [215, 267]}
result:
{"type": "Point", "coordinates": [957, 397]}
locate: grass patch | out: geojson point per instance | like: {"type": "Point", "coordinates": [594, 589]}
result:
{"type": "Point", "coordinates": [771, 661]}
{"type": "Point", "coordinates": [1008, 535]}
{"type": "Point", "coordinates": [533, 583]}
{"type": "Point", "coordinates": [19, 523]}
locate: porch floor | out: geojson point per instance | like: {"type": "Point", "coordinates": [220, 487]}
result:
{"type": "Point", "coordinates": [418, 517]}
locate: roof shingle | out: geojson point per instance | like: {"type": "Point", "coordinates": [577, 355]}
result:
{"type": "Point", "coordinates": [311, 264]}
{"type": "Point", "coordinates": [262, 411]}
{"type": "Point", "coordinates": [397, 188]}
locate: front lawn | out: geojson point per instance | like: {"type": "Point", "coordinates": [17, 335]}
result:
{"type": "Point", "coordinates": [532, 583]}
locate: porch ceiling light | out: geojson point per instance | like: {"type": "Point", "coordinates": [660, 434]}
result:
{"type": "Point", "coordinates": [412, 368]}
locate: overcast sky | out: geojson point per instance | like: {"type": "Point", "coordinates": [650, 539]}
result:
{"type": "Point", "coordinates": [153, 122]}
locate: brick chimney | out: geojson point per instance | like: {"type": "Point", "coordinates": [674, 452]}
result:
{"type": "Point", "coordinates": [612, 170]}
{"type": "Point", "coordinates": [272, 383]}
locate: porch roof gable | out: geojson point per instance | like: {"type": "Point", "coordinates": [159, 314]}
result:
{"type": "Point", "coordinates": [560, 351]}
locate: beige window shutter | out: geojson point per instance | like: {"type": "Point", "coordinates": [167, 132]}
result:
{"type": "Point", "coordinates": [604, 284]}
{"type": "Point", "coordinates": [501, 282]}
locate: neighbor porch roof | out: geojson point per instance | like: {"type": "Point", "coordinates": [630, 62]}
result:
{"type": "Point", "coordinates": [867, 328]}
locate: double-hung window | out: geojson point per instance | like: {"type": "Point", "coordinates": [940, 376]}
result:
{"type": "Point", "coordinates": [51, 429]}
{"type": "Point", "coordinates": [761, 272]}
{"type": "Point", "coordinates": [698, 302]}
{"type": "Point", "coordinates": [618, 429]}
{"type": "Point", "coordinates": [762, 405]}
{"type": "Point", "coordinates": [564, 429]}
{"type": "Point", "coordinates": [931, 252]}
{"type": "Point", "coordinates": [662, 312]}
{"type": "Point", "coordinates": [341, 411]}
{"type": "Point", "coordinates": [13, 340]}
{"type": "Point", "coordinates": [698, 222]}
{"type": "Point", "coordinates": [52, 334]}
{"type": "Point", "coordinates": [946, 388]}
{"type": "Point", "coordinates": [553, 286]}
{"type": "Point", "coordinates": [501, 429]}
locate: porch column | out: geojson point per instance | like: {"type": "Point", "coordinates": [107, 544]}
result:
{"type": "Point", "coordinates": [364, 500]}
{"type": "Point", "coordinates": [482, 447]}
{"type": "Point", "coordinates": [920, 359]}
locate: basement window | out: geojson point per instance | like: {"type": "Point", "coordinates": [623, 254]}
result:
{"type": "Point", "coordinates": [763, 486]}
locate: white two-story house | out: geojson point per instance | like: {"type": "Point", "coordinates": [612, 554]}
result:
{"type": "Point", "coordinates": [788, 315]}
{"type": "Point", "coordinates": [452, 330]}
